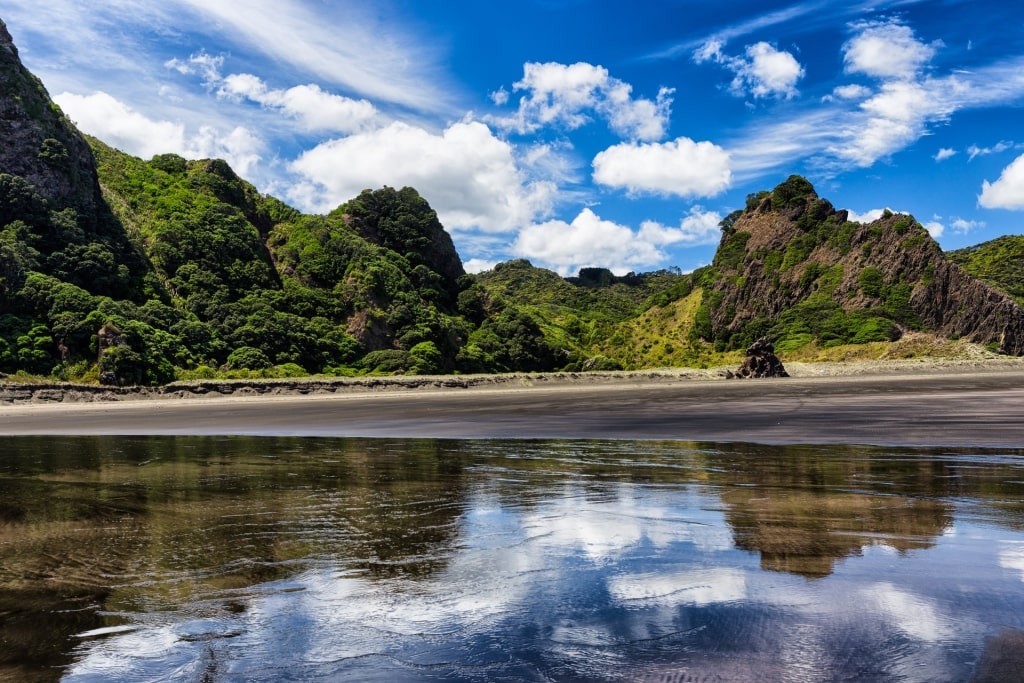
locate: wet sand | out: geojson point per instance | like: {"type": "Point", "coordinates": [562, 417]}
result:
{"type": "Point", "coordinates": [960, 407]}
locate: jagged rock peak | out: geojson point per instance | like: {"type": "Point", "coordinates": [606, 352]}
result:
{"type": "Point", "coordinates": [40, 145]}
{"type": "Point", "coordinates": [7, 42]}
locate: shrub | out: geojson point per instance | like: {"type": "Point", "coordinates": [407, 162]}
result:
{"type": "Point", "coordinates": [871, 282]}
{"type": "Point", "coordinates": [249, 358]}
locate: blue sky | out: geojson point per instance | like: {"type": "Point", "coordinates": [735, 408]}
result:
{"type": "Point", "coordinates": [568, 132]}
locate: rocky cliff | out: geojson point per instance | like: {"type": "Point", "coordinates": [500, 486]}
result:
{"type": "Point", "coordinates": [792, 266]}
{"type": "Point", "coordinates": [40, 145]}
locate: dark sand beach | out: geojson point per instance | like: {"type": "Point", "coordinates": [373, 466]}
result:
{"type": "Point", "coordinates": [957, 405]}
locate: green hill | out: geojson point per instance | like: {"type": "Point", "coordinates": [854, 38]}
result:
{"type": "Point", "coordinates": [999, 262]}
{"type": "Point", "coordinates": [118, 270]}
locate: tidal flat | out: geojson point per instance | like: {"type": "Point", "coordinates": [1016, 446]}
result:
{"type": "Point", "coordinates": [243, 558]}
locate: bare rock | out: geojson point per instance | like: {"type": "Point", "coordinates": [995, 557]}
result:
{"type": "Point", "coordinates": [761, 361]}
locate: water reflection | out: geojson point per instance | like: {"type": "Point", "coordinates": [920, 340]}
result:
{"type": "Point", "coordinates": [262, 559]}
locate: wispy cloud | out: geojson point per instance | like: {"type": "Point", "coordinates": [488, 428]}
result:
{"type": "Point", "coordinates": [686, 48]}
{"type": "Point", "coordinates": [843, 133]}
{"type": "Point", "coordinates": [356, 49]}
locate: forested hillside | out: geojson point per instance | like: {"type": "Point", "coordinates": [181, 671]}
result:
{"type": "Point", "coordinates": [121, 270]}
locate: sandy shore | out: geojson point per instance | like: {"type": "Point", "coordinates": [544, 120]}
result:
{"type": "Point", "coordinates": [915, 404]}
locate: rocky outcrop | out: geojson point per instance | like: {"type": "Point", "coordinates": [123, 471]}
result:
{"type": "Point", "coordinates": [760, 362]}
{"type": "Point", "coordinates": [402, 221]}
{"type": "Point", "coordinates": [40, 144]}
{"type": "Point", "coordinates": [791, 248]}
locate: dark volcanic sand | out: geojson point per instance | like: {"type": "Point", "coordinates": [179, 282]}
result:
{"type": "Point", "coordinates": [960, 409]}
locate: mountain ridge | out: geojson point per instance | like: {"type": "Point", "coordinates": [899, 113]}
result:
{"type": "Point", "coordinates": [123, 271]}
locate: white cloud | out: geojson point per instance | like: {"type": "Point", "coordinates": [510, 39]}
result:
{"type": "Point", "coordinates": [850, 134]}
{"type": "Point", "coordinates": [592, 241]}
{"type": "Point", "coordinates": [500, 97]}
{"type": "Point", "coordinates": [765, 71]}
{"type": "Point", "coordinates": [851, 92]}
{"type": "Point", "coordinates": [122, 127]}
{"type": "Point", "coordinates": [944, 153]}
{"type": "Point", "coordinates": [316, 109]}
{"type": "Point", "coordinates": [117, 124]}
{"type": "Point", "coordinates": [587, 241]}
{"type": "Point", "coordinates": [963, 226]}
{"type": "Point", "coordinates": [202, 64]}
{"type": "Point", "coordinates": [342, 43]}
{"type": "Point", "coordinates": [975, 151]}
{"type": "Point", "coordinates": [469, 176]}
{"type": "Point", "coordinates": [567, 96]}
{"type": "Point", "coordinates": [1008, 191]}
{"type": "Point", "coordinates": [869, 216]}
{"type": "Point", "coordinates": [476, 265]}
{"type": "Point", "coordinates": [893, 118]}
{"type": "Point", "coordinates": [769, 72]}
{"type": "Point", "coordinates": [679, 167]}
{"type": "Point", "coordinates": [935, 228]}
{"type": "Point", "coordinates": [697, 227]}
{"type": "Point", "coordinates": [886, 49]}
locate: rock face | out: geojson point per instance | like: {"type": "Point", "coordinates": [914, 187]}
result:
{"type": "Point", "coordinates": [790, 248]}
{"type": "Point", "coordinates": [39, 143]}
{"type": "Point", "coordinates": [760, 362]}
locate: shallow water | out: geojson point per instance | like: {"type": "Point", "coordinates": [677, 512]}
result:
{"type": "Point", "coordinates": [277, 559]}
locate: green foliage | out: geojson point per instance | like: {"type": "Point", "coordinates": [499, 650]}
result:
{"type": "Point", "coordinates": [792, 192]}
{"type": "Point", "coordinates": [754, 199]}
{"type": "Point", "coordinates": [728, 224]}
{"type": "Point", "coordinates": [732, 250]}
{"type": "Point", "coordinates": [999, 262]}
{"type": "Point", "coordinates": [798, 250]}
{"type": "Point", "coordinates": [387, 361]}
{"type": "Point", "coordinates": [426, 359]}
{"type": "Point", "coordinates": [871, 281]}
{"type": "Point", "coordinates": [248, 358]}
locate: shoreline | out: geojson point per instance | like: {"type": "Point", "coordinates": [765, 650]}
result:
{"type": "Point", "coordinates": [64, 393]}
{"type": "Point", "coordinates": [893, 403]}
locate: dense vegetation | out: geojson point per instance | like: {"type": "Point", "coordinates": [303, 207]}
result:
{"type": "Point", "coordinates": [999, 262]}
{"type": "Point", "coordinates": [195, 274]}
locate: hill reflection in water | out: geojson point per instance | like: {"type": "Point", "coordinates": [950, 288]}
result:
{"type": "Point", "coordinates": [243, 558]}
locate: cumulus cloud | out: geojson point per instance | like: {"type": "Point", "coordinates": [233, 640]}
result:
{"type": "Point", "coordinates": [852, 91]}
{"type": "Point", "coordinates": [763, 71]}
{"type": "Point", "coordinates": [935, 228]}
{"type": "Point", "coordinates": [568, 96]}
{"type": "Point", "coordinates": [944, 153]}
{"type": "Point", "coordinates": [696, 228]}
{"type": "Point", "coordinates": [469, 175]}
{"type": "Point", "coordinates": [117, 124]}
{"type": "Point", "coordinates": [679, 167]}
{"type": "Point", "coordinates": [1007, 192]}
{"type": "Point", "coordinates": [964, 226]}
{"type": "Point", "coordinates": [869, 216]}
{"type": "Point", "coordinates": [478, 265]}
{"type": "Point", "coordinates": [886, 49]}
{"type": "Point", "coordinates": [592, 241]}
